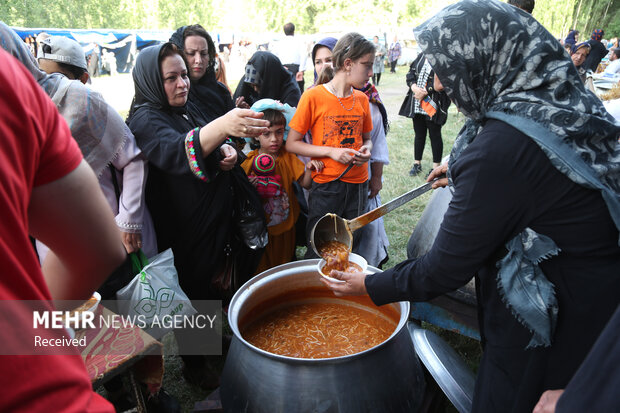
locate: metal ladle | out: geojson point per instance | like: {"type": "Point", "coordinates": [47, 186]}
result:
{"type": "Point", "coordinates": [331, 227]}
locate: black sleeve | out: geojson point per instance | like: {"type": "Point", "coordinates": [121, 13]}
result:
{"type": "Point", "coordinates": [490, 206]}
{"type": "Point", "coordinates": [164, 147]}
{"type": "Point", "coordinates": [241, 89]}
{"type": "Point", "coordinates": [291, 93]}
{"type": "Point", "coordinates": [594, 388]}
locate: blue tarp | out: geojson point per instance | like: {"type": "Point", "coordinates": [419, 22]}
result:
{"type": "Point", "coordinates": [123, 43]}
{"type": "Point", "coordinates": [102, 37]}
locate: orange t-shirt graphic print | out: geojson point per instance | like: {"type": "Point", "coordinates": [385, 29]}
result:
{"type": "Point", "coordinates": [341, 131]}
{"type": "Point", "coordinates": [330, 124]}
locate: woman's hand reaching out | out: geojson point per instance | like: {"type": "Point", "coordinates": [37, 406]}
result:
{"type": "Point", "coordinates": [236, 122]}
{"type": "Point", "coordinates": [244, 123]}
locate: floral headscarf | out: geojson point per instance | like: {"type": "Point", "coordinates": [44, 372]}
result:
{"type": "Point", "coordinates": [373, 96]}
{"type": "Point", "coordinates": [496, 62]}
{"type": "Point", "coordinates": [597, 34]}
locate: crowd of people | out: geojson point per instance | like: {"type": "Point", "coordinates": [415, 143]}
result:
{"type": "Point", "coordinates": [534, 172]}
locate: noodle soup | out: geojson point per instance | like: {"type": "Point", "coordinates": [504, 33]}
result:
{"type": "Point", "coordinates": [319, 328]}
{"type": "Point", "coordinates": [355, 263]}
{"type": "Point", "coordinates": [336, 254]}
{"type": "Point", "coordinates": [350, 267]}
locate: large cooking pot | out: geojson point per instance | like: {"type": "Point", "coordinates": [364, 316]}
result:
{"type": "Point", "coordinates": [384, 378]}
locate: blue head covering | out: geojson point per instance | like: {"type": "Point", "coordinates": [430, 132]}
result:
{"type": "Point", "coordinates": [264, 104]}
{"type": "Point", "coordinates": [570, 38]}
{"type": "Point", "coordinates": [496, 62]}
{"type": "Point", "coordinates": [329, 42]}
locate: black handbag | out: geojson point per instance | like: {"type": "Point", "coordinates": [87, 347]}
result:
{"type": "Point", "coordinates": [248, 213]}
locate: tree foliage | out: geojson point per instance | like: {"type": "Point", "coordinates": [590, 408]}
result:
{"type": "Point", "coordinates": [309, 16]}
{"type": "Point", "coordinates": [560, 16]}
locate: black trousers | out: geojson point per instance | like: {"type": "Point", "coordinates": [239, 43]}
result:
{"type": "Point", "coordinates": [344, 199]}
{"type": "Point", "coordinates": [393, 66]}
{"type": "Point", "coordinates": [376, 77]}
{"type": "Point", "coordinates": [422, 124]}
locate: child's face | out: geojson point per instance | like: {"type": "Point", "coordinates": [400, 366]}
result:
{"type": "Point", "coordinates": [271, 142]}
{"type": "Point", "coordinates": [361, 70]}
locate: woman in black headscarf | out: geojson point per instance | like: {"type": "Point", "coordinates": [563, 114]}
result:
{"type": "Point", "coordinates": [265, 77]}
{"type": "Point", "coordinates": [535, 214]}
{"type": "Point", "coordinates": [190, 177]}
{"type": "Point", "coordinates": [210, 96]}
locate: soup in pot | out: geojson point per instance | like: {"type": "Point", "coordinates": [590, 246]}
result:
{"type": "Point", "coordinates": [316, 329]}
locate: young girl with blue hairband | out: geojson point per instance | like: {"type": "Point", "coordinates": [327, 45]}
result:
{"type": "Point", "coordinates": [272, 170]}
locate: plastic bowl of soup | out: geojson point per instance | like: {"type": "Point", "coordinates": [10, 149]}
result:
{"type": "Point", "coordinates": [356, 263]}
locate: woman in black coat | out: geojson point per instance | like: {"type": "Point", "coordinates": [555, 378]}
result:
{"type": "Point", "coordinates": [191, 175]}
{"type": "Point", "coordinates": [535, 212]}
{"type": "Point", "coordinates": [429, 110]}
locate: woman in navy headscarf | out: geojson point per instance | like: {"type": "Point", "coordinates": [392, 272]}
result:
{"type": "Point", "coordinates": [572, 38]}
{"type": "Point", "coordinates": [322, 54]}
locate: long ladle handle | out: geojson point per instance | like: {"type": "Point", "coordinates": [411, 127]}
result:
{"type": "Point", "coordinates": [368, 217]}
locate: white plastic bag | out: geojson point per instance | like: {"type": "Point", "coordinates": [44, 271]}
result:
{"type": "Point", "coordinates": [154, 296]}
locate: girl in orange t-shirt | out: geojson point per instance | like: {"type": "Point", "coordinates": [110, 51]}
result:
{"type": "Point", "coordinates": [338, 117]}
{"type": "Point", "coordinates": [272, 170]}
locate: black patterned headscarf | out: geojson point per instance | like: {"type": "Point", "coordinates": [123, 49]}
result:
{"type": "Point", "coordinates": [497, 62]}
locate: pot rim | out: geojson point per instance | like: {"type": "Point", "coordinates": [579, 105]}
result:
{"type": "Point", "coordinates": [267, 276]}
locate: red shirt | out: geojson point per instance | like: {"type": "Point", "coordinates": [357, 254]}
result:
{"type": "Point", "coordinates": [36, 148]}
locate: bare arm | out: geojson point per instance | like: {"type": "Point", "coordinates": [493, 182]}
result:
{"type": "Point", "coordinates": [296, 145]}
{"type": "Point", "coordinates": [375, 185]}
{"type": "Point", "coordinates": [72, 217]}
{"type": "Point", "coordinates": [306, 179]}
